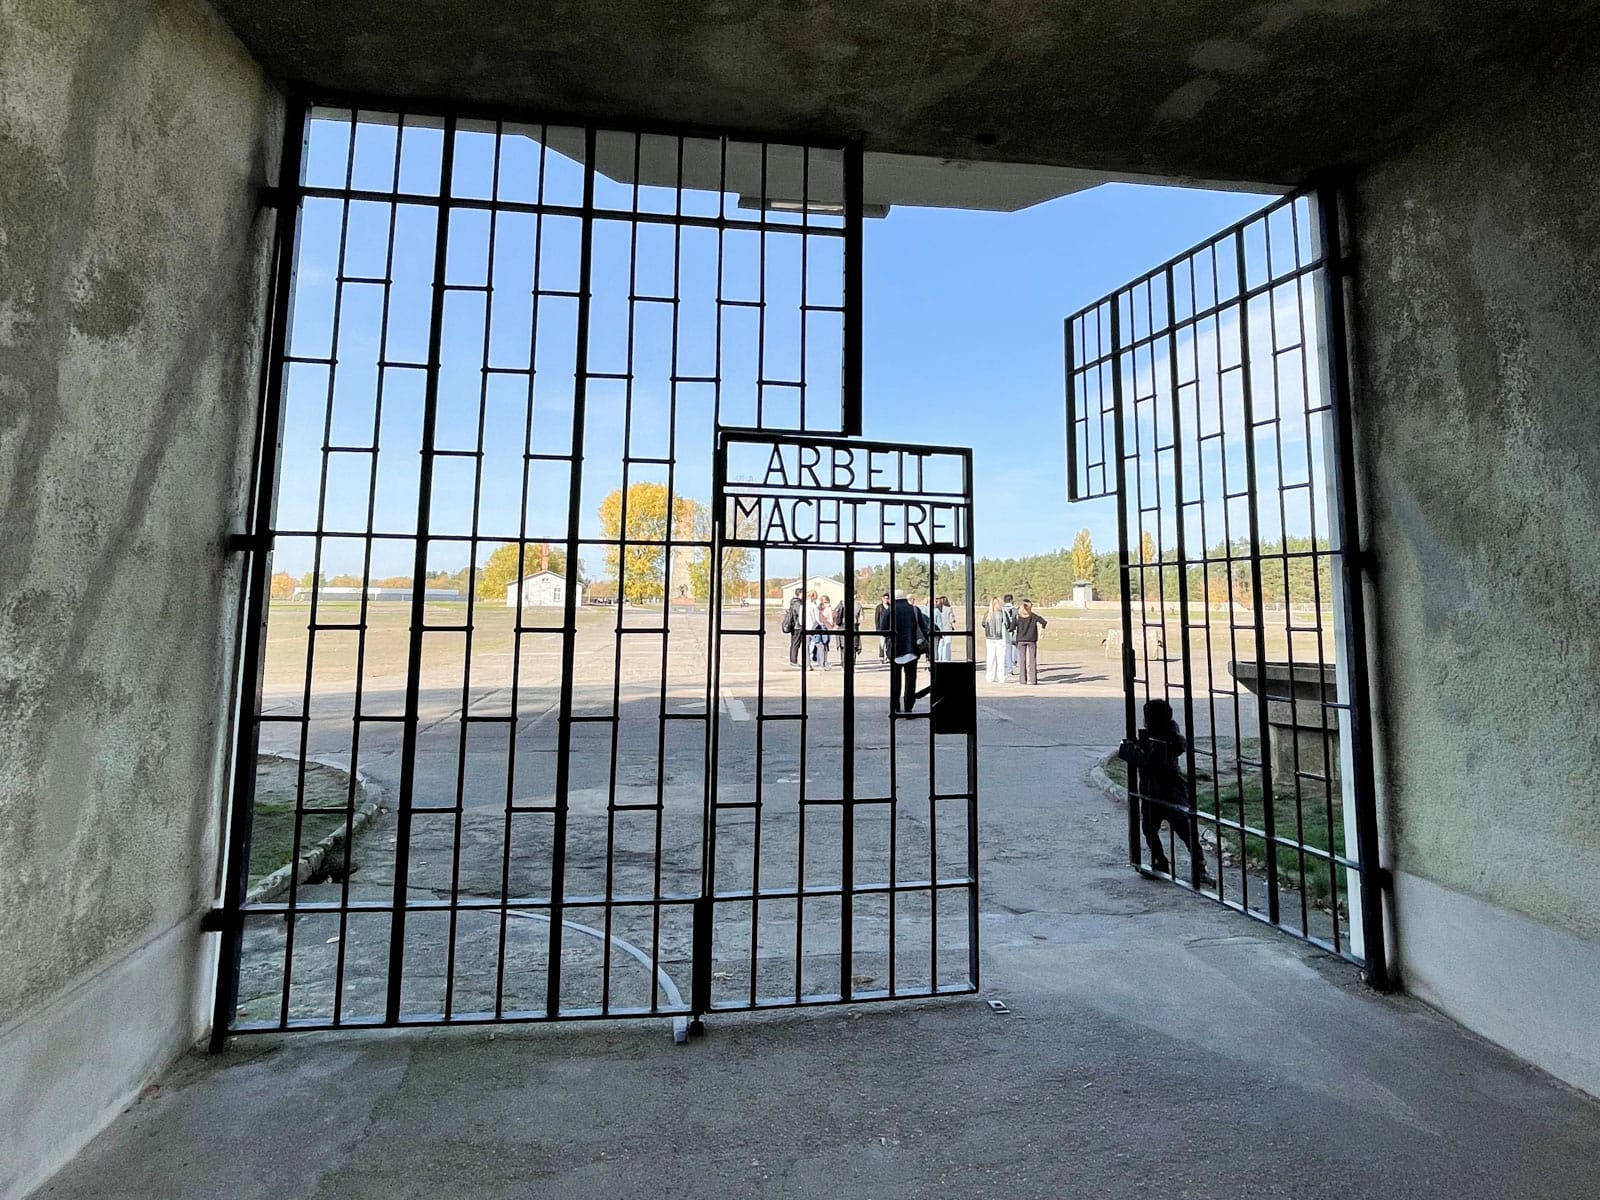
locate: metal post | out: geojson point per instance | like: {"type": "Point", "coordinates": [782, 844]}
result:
{"type": "Point", "coordinates": [854, 177]}
{"type": "Point", "coordinates": [569, 628]}
{"type": "Point", "coordinates": [1178, 503]}
{"type": "Point", "coordinates": [1257, 605]}
{"type": "Point", "coordinates": [408, 751]}
{"type": "Point", "coordinates": [1352, 559]}
{"type": "Point", "coordinates": [1129, 716]}
{"type": "Point", "coordinates": [247, 730]}
{"type": "Point", "coordinates": [847, 808]}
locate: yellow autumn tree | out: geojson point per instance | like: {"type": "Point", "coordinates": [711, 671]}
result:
{"type": "Point", "coordinates": [1082, 556]}
{"type": "Point", "coordinates": [282, 585]}
{"type": "Point", "coordinates": [501, 568]}
{"type": "Point", "coordinates": [638, 570]}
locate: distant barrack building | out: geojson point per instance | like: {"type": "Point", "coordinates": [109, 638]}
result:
{"type": "Point", "coordinates": [542, 589]}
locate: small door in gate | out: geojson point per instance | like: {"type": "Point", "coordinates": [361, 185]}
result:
{"type": "Point", "coordinates": [841, 849]}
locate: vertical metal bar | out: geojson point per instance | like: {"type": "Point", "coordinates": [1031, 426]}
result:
{"type": "Point", "coordinates": [313, 625]}
{"type": "Point", "coordinates": [705, 907]}
{"type": "Point", "coordinates": [1282, 556]}
{"type": "Point", "coordinates": [247, 729]}
{"type": "Point", "coordinates": [366, 576]}
{"type": "Point", "coordinates": [666, 641]}
{"type": "Point", "coordinates": [1129, 716]}
{"type": "Point", "coordinates": [1074, 403]}
{"type": "Point", "coordinates": [463, 740]}
{"type": "Point", "coordinates": [1318, 556]}
{"type": "Point", "coordinates": [847, 869]}
{"type": "Point", "coordinates": [408, 748]}
{"type": "Point", "coordinates": [972, 734]}
{"type": "Point", "coordinates": [569, 631]}
{"type": "Point", "coordinates": [1246, 387]}
{"type": "Point", "coordinates": [1178, 505]}
{"type": "Point", "coordinates": [934, 642]}
{"type": "Point", "coordinates": [886, 639]}
{"type": "Point", "coordinates": [522, 569]}
{"type": "Point", "coordinates": [854, 180]}
{"type": "Point", "coordinates": [1351, 563]}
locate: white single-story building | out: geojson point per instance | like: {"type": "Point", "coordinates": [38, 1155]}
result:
{"type": "Point", "coordinates": [542, 589]}
{"type": "Point", "coordinates": [823, 585]}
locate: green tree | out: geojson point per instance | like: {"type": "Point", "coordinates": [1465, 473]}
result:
{"type": "Point", "coordinates": [513, 561]}
{"type": "Point", "coordinates": [637, 567]}
{"type": "Point", "coordinates": [1082, 556]}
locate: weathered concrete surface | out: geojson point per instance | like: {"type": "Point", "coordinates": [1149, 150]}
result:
{"type": "Point", "coordinates": [132, 136]}
{"type": "Point", "coordinates": [1479, 349]}
{"type": "Point", "coordinates": [1209, 89]}
{"type": "Point", "coordinates": [1157, 1046]}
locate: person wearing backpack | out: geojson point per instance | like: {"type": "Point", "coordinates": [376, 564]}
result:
{"type": "Point", "coordinates": [907, 630]}
{"type": "Point", "coordinates": [1009, 608]}
{"type": "Point", "coordinates": [794, 624]}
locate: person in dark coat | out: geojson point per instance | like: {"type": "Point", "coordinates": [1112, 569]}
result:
{"type": "Point", "coordinates": [1163, 792]}
{"type": "Point", "coordinates": [908, 641]}
{"type": "Point", "coordinates": [794, 624]}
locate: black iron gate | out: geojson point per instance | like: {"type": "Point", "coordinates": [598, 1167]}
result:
{"type": "Point", "coordinates": [1208, 399]}
{"type": "Point", "coordinates": [490, 711]}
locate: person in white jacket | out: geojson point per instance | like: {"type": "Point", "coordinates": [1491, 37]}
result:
{"type": "Point", "coordinates": [944, 620]}
{"type": "Point", "coordinates": [995, 644]}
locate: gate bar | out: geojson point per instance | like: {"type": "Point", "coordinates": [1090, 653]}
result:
{"type": "Point", "coordinates": [408, 743]}
{"type": "Point", "coordinates": [1179, 502]}
{"type": "Point", "coordinates": [569, 636]}
{"type": "Point", "coordinates": [1129, 719]}
{"type": "Point", "coordinates": [854, 182]}
{"type": "Point", "coordinates": [1352, 564]}
{"type": "Point", "coordinates": [1269, 824]}
{"type": "Point", "coordinates": [247, 730]}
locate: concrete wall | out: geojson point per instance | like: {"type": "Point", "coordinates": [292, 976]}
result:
{"type": "Point", "coordinates": [1478, 395]}
{"type": "Point", "coordinates": [133, 134]}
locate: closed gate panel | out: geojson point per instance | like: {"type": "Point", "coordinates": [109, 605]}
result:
{"type": "Point", "coordinates": [490, 615]}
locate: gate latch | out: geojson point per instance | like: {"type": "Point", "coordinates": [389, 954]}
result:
{"type": "Point", "coordinates": [248, 543]}
{"type": "Point", "coordinates": [221, 920]}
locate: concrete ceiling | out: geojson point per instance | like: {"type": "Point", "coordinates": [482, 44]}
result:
{"type": "Point", "coordinates": [1202, 90]}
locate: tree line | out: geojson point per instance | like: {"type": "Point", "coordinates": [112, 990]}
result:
{"type": "Point", "coordinates": [1290, 575]}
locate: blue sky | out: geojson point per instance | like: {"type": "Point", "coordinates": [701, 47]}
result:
{"type": "Point", "coordinates": [964, 318]}
{"type": "Point", "coordinates": [963, 329]}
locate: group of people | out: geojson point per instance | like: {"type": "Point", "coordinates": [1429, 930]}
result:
{"type": "Point", "coordinates": [817, 629]}
{"type": "Point", "coordinates": [1011, 640]}
{"type": "Point", "coordinates": [817, 626]}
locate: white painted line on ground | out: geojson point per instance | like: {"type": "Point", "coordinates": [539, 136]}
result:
{"type": "Point", "coordinates": [736, 708]}
{"type": "Point", "coordinates": [990, 710]}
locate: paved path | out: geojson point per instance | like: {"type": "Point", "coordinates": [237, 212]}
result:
{"type": "Point", "coordinates": [1157, 1045]}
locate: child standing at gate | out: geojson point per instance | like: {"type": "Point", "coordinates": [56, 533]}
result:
{"type": "Point", "coordinates": [1163, 791]}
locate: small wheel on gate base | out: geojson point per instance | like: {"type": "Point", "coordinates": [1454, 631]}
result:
{"type": "Point", "coordinates": [697, 1028]}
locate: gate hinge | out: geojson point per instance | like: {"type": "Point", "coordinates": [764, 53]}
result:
{"type": "Point", "coordinates": [248, 543]}
{"type": "Point", "coordinates": [1366, 561]}
{"type": "Point", "coordinates": [273, 196]}
{"type": "Point", "coordinates": [221, 920]}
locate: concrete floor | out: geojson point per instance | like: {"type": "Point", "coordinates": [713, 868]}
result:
{"type": "Point", "coordinates": [1156, 1045]}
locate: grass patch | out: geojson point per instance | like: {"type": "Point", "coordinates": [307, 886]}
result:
{"type": "Point", "coordinates": [272, 835]}
{"type": "Point", "coordinates": [1312, 831]}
